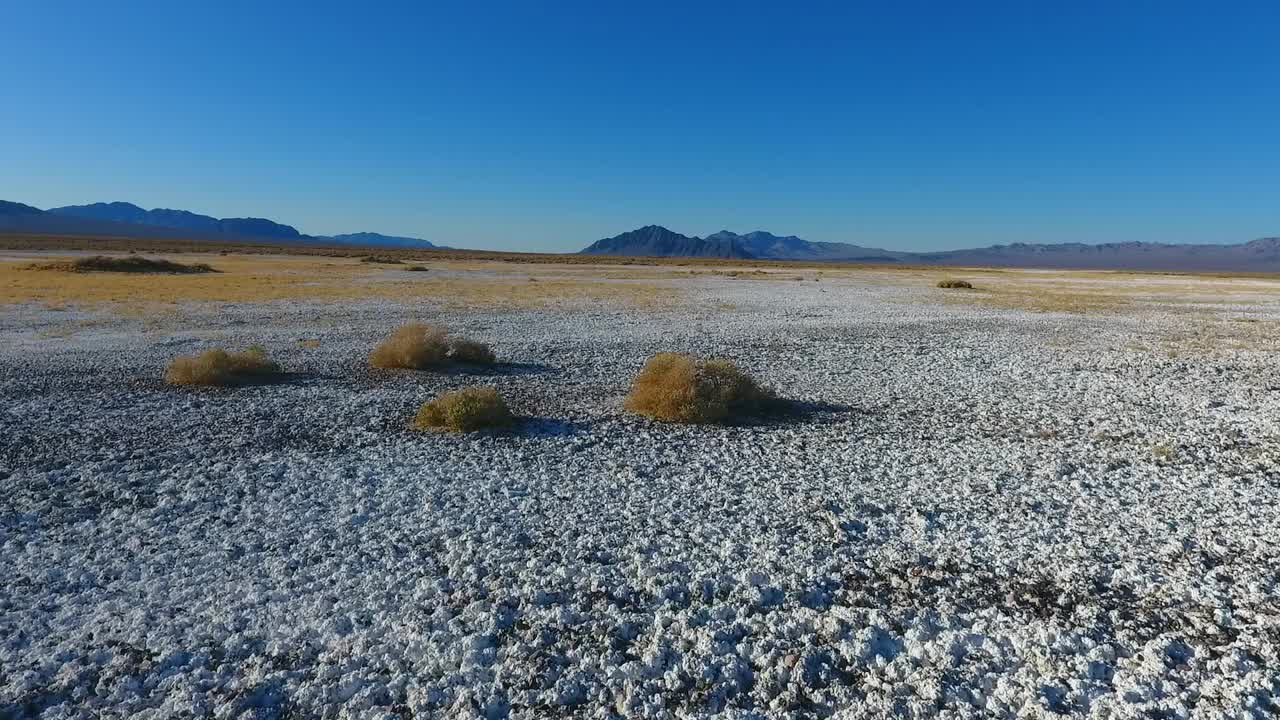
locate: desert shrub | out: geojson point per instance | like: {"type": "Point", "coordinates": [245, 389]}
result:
{"type": "Point", "coordinates": [673, 387]}
{"type": "Point", "coordinates": [131, 264]}
{"type": "Point", "coordinates": [219, 367]}
{"type": "Point", "coordinates": [381, 260]}
{"type": "Point", "coordinates": [474, 408]}
{"type": "Point", "coordinates": [414, 346]}
{"type": "Point", "coordinates": [471, 351]}
{"type": "Point", "coordinates": [417, 268]}
{"type": "Point", "coordinates": [952, 284]}
{"type": "Point", "coordinates": [1164, 451]}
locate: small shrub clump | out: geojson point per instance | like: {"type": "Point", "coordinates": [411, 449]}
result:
{"type": "Point", "coordinates": [951, 284]}
{"type": "Point", "coordinates": [466, 410]}
{"type": "Point", "coordinates": [673, 387]}
{"type": "Point", "coordinates": [219, 367]}
{"type": "Point", "coordinates": [414, 347]}
{"type": "Point", "coordinates": [417, 268]}
{"type": "Point", "coordinates": [417, 347]}
{"type": "Point", "coordinates": [131, 264]}
{"type": "Point", "coordinates": [381, 260]}
{"type": "Point", "coordinates": [471, 351]}
{"type": "Point", "coordinates": [1164, 452]}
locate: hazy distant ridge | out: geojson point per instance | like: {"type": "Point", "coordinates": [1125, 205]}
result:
{"type": "Point", "coordinates": [379, 240]}
{"type": "Point", "coordinates": [1261, 255]}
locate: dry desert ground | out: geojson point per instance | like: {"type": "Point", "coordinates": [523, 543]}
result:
{"type": "Point", "coordinates": [1056, 494]}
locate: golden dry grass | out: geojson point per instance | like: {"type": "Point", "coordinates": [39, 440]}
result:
{"type": "Point", "coordinates": [1110, 292]}
{"type": "Point", "coordinates": [491, 282]}
{"type": "Point", "coordinates": [674, 387]}
{"type": "Point", "coordinates": [219, 367]}
{"type": "Point", "coordinates": [128, 264]}
{"type": "Point", "coordinates": [262, 279]}
{"type": "Point", "coordinates": [465, 410]}
{"type": "Point", "coordinates": [1210, 335]}
{"type": "Point", "coordinates": [415, 346]}
{"type": "Point", "coordinates": [1048, 300]}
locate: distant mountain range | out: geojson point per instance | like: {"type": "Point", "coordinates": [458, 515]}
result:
{"type": "Point", "coordinates": [657, 241]}
{"type": "Point", "coordinates": [1261, 255]}
{"type": "Point", "coordinates": [767, 246]}
{"type": "Point", "coordinates": [122, 219]}
{"type": "Point", "coordinates": [123, 212]}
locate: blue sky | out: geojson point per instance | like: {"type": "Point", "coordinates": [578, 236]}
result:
{"type": "Point", "coordinates": [545, 126]}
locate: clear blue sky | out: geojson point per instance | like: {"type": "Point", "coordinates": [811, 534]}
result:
{"type": "Point", "coordinates": [545, 126]}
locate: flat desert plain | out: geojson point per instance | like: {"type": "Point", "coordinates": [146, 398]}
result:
{"type": "Point", "coordinates": [1056, 494]}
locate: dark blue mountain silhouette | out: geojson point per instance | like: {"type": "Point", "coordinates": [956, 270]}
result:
{"type": "Point", "coordinates": [123, 219]}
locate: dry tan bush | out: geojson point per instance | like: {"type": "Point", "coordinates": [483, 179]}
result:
{"type": "Point", "coordinates": [219, 367]}
{"type": "Point", "coordinates": [1164, 451]}
{"type": "Point", "coordinates": [474, 408]}
{"type": "Point", "coordinates": [470, 351]}
{"type": "Point", "coordinates": [414, 346]}
{"type": "Point", "coordinates": [105, 263]}
{"type": "Point", "coordinates": [952, 284]}
{"type": "Point", "coordinates": [673, 387]}
{"type": "Point", "coordinates": [417, 346]}
{"type": "Point", "coordinates": [418, 268]}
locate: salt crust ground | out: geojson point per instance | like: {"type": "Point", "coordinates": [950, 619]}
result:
{"type": "Point", "coordinates": [975, 524]}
